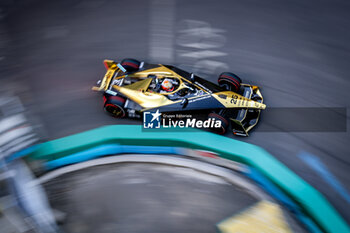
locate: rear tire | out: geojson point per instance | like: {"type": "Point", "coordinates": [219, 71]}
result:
{"type": "Point", "coordinates": [229, 81]}
{"type": "Point", "coordinates": [224, 123]}
{"type": "Point", "coordinates": [114, 105]}
{"type": "Point", "coordinates": [130, 64]}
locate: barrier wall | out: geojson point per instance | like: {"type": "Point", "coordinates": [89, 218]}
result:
{"type": "Point", "coordinates": [308, 198]}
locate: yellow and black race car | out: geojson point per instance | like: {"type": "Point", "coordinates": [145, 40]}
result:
{"type": "Point", "coordinates": [132, 87]}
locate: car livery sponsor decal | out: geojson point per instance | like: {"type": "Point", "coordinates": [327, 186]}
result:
{"type": "Point", "coordinates": [203, 87]}
{"type": "Point", "coordinates": [200, 98]}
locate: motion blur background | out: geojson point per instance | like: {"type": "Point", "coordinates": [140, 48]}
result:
{"type": "Point", "coordinates": [298, 52]}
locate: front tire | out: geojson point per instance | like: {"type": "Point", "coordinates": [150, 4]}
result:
{"type": "Point", "coordinates": [114, 106]}
{"type": "Point", "coordinates": [229, 81]}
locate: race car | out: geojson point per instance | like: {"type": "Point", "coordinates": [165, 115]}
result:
{"type": "Point", "coordinates": [132, 87]}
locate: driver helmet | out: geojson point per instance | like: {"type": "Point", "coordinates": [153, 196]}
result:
{"type": "Point", "coordinates": [167, 85]}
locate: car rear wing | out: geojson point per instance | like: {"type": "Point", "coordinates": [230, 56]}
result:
{"type": "Point", "coordinates": [247, 118]}
{"type": "Point", "coordinates": [242, 127]}
{"type": "Point", "coordinates": [112, 68]}
{"type": "Point", "coordinates": [238, 128]}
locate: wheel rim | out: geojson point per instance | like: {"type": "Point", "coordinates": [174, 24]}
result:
{"type": "Point", "coordinates": [115, 110]}
{"type": "Point", "coordinates": [222, 129]}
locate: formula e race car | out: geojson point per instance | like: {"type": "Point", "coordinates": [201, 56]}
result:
{"type": "Point", "coordinates": [131, 87]}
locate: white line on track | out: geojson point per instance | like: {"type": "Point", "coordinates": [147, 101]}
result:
{"type": "Point", "coordinates": [162, 17]}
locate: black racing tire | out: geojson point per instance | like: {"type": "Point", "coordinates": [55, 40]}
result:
{"type": "Point", "coordinates": [224, 123]}
{"type": "Point", "coordinates": [130, 64]}
{"type": "Point", "coordinates": [114, 106]}
{"type": "Point", "coordinates": [229, 81]}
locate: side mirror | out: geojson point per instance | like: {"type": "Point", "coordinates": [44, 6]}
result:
{"type": "Point", "coordinates": [184, 102]}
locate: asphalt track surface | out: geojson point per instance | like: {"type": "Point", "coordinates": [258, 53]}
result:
{"type": "Point", "coordinates": [296, 51]}
{"type": "Point", "coordinates": [165, 194]}
{"type": "Point", "coordinates": [133, 197]}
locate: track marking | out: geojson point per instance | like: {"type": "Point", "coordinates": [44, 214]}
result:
{"type": "Point", "coordinates": [261, 217]}
{"type": "Point", "coordinates": [199, 44]}
{"type": "Point", "coordinates": [316, 164]}
{"type": "Point", "coordinates": [204, 53]}
{"type": "Point", "coordinates": [161, 47]}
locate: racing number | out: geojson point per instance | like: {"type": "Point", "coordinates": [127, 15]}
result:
{"type": "Point", "coordinates": [234, 99]}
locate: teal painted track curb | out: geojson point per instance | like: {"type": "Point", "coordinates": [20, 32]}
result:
{"type": "Point", "coordinates": [310, 200]}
